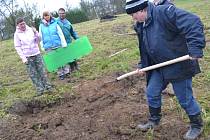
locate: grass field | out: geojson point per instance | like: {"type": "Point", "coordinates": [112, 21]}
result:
{"type": "Point", "coordinates": [105, 39]}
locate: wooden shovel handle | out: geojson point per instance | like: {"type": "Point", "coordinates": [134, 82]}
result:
{"type": "Point", "coordinates": [179, 59]}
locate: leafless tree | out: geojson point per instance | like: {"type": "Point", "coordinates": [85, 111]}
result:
{"type": "Point", "coordinates": [10, 11]}
{"type": "Point", "coordinates": [101, 8]}
{"type": "Point", "coordinates": [7, 12]}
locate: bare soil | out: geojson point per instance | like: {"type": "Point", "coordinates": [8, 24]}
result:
{"type": "Point", "coordinates": [99, 110]}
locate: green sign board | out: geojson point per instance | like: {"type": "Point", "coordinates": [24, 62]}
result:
{"type": "Point", "coordinates": [62, 56]}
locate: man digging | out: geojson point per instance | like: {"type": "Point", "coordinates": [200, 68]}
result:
{"type": "Point", "coordinates": [168, 33]}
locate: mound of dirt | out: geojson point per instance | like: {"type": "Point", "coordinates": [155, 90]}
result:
{"type": "Point", "coordinates": [102, 110]}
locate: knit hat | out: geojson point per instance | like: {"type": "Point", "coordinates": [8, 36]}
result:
{"type": "Point", "coordinates": [133, 6]}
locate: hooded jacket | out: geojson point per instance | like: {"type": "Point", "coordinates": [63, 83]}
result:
{"type": "Point", "coordinates": [169, 33]}
{"type": "Point", "coordinates": [26, 43]}
{"type": "Point", "coordinates": [51, 35]}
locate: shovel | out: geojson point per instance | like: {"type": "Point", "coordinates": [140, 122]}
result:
{"type": "Point", "coordinates": [179, 59]}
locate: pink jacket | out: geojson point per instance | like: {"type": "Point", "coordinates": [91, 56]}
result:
{"type": "Point", "coordinates": [26, 43]}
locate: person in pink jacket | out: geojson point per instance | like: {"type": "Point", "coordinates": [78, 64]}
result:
{"type": "Point", "coordinates": [26, 41]}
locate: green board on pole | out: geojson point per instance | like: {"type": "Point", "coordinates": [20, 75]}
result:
{"type": "Point", "coordinates": [62, 56]}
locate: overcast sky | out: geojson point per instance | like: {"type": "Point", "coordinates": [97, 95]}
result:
{"type": "Point", "coordinates": [52, 5]}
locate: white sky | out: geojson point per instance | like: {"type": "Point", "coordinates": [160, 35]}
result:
{"type": "Point", "coordinates": [52, 5]}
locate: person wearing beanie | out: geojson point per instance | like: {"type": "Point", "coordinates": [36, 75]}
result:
{"type": "Point", "coordinates": [167, 33]}
{"type": "Point", "coordinates": [138, 26]}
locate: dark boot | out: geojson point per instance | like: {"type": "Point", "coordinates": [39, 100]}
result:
{"type": "Point", "coordinates": [76, 66]}
{"type": "Point", "coordinates": [72, 68]}
{"type": "Point", "coordinates": [62, 77]}
{"type": "Point", "coordinates": [49, 88]}
{"type": "Point", "coordinates": [155, 116]}
{"type": "Point", "coordinates": [196, 127]}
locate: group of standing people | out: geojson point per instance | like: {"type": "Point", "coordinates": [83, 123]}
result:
{"type": "Point", "coordinates": [53, 34]}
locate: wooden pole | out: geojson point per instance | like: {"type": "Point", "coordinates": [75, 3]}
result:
{"type": "Point", "coordinates": [183, 58]}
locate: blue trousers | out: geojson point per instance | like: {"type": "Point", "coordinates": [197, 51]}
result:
{"type": "Point", "coordinates": [182, 90]}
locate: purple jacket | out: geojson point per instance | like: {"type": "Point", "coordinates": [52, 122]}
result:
{"type": "Point", "coordinates": [26, 43]}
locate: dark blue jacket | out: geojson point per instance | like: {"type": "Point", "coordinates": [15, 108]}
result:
{"type": "Point", "coordinates": [164, 2]}
{"type": "Point", "coordinates": [138, 27]}
{"type": "Point", "coordinates": [169, 33]}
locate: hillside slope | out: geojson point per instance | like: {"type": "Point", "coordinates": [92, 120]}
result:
{"type": "Point", "coordinates": [87, 106]}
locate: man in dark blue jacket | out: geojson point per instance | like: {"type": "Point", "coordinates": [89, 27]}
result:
{"type": "Point", "coordinates": [168, 33]}
{"type": "Point", "coordinates": [138, 27]}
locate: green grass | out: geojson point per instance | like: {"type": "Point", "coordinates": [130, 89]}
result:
{"type": "Point", "coordinates": [15, 84]}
